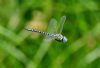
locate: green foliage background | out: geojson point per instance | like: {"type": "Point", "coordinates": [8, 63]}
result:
{"type": "Point", "coordinates": [19, 48]}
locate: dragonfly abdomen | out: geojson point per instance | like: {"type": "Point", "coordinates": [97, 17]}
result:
{"type": "Point", "coordinates": [34, 30]}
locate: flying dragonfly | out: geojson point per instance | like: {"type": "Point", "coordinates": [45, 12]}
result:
{"type": "Point", "coordinates": [57, 29]}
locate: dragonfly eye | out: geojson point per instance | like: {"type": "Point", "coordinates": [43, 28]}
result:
{"type": "Point", "coordinates": [64, 39]}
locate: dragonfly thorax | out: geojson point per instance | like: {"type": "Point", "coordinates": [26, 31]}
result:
{"type": "Point", "coordinates": [60, 38]}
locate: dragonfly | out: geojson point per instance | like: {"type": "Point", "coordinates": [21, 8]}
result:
{"type": "Point", "coordinates": [57, 29]}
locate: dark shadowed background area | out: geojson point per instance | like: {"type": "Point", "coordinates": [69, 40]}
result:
{"type": "Point", "coordinates": [23, 49]}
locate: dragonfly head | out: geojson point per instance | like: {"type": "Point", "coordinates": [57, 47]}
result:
{"type": "Point", "coordinates": [64, 39]}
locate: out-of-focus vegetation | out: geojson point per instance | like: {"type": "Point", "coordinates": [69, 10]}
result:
{"type": "Point", "coordinates": [23, 49]}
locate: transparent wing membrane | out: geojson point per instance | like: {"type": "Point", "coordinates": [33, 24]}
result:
{"type": "Point", "coordinates": [61, 24]}
{"type": "Point", "coordinates": [52, 29]}
{"type": "Point", "coordinates": [52, 26]}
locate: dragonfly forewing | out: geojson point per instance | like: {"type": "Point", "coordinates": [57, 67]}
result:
{"type": "Point", "coordinates": [61, 24]}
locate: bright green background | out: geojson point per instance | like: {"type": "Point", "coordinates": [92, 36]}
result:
{"type": "Point", "coordinates": [22, 49]}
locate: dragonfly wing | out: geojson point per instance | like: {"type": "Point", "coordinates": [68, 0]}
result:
{"type": "Point", "coordinates": [61, 24]}
{"type": "Point", "coordinates": [52, 28]}
{"type": "Point", "coordinates": [49, 38]}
